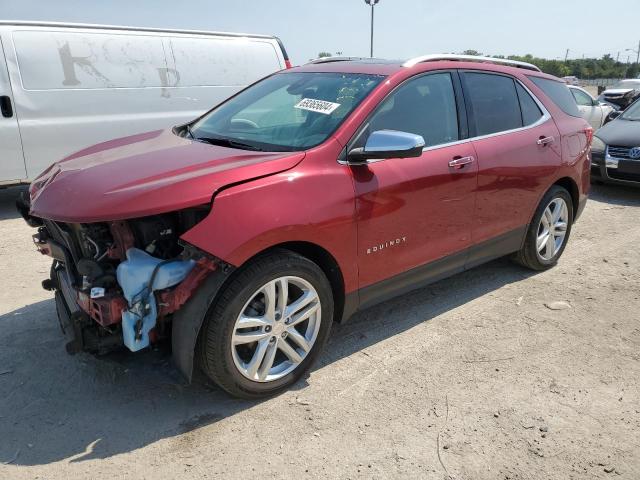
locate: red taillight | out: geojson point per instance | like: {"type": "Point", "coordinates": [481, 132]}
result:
{"type": "Point", "coordinates": [287, 63]}
{"type": "Point", "coordinates": [589, 133]}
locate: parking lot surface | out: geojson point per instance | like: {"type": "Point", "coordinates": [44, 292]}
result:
{"type": "Point", "coordinates": [497, 373]}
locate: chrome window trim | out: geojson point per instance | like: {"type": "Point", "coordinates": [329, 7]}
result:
{"type": "Point", "coordinates": [546, 116]}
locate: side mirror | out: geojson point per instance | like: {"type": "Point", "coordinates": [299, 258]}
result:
{"type": "Point", "coordinates": [383, 144]}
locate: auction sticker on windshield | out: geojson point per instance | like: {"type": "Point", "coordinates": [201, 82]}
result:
{"type": "Point", "coordinates": [319, 106]}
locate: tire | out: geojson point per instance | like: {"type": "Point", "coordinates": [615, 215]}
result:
{"type": "Point", "coordinates": [232, 365]}
{"type": "Point", "coordinates": [529, 255]}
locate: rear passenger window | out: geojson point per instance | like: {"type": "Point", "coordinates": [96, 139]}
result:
{"type": "Point", "coordinates": [559, 93]}
{"type": "Point", "coordinates": [531, 113]}
{"type": "Point", "coordinates": [494, 103]}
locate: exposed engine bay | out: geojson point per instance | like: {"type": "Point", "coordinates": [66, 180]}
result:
{"type": "Point", "coordinates": [118, 283]}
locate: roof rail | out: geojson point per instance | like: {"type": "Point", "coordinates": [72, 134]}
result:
{"type": "Point", "coordinates": [335, 59]}
{"type": "Point", "coordinates": [469, 58]}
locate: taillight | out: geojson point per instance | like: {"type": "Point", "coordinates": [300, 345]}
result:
{"type": "Point", "coordinates": [589, 133]}
{"type": "Point", "coordinates": [287, 63]}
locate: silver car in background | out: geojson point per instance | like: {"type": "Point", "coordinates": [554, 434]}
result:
{"type": "Point", "coordinates": [64, 87]}
{"type": "Point", "coordinates": [592, 110]}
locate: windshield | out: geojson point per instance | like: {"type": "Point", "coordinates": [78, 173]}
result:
{"type": "Point", "coordinates": [285, 112]}
{"type": "Point", "coordinates": [627, 84]}
{"type": "Point", "coordinates": [632, 112]}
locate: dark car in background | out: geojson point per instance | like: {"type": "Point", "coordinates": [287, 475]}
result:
{"type": "Point", "coordinates": [622, 94]}
{"type": "Point", "coordinates": [615, 154]}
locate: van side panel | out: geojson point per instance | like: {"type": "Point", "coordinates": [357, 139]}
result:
{"type": "Point", "coordinates": [12, 168]}
{"type": "Point", "coordinates": [76, 87]}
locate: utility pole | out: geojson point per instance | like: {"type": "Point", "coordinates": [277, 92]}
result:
{"type": "Point", "coordinates": [372, 3]}
{"type": "Point", "coordinates": [617, 57]}
{"type": "Point", "coordinates": [566, 55]}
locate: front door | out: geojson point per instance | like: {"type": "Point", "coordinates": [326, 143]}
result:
{"type": "Point", "coordinates": [12, 166]}
{"type": "Point", "coordinates": [414, 211]}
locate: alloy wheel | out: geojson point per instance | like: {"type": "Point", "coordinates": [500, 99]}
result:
{"type": "Point", "coordinates": [276, 329]}
{"type": "Point", "coordinates": [552, 229]}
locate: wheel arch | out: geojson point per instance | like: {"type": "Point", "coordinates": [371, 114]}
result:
{"type": "Point", "coordinates": [325, 260]}
{"type": "Point", "coordinates": [570, 185]}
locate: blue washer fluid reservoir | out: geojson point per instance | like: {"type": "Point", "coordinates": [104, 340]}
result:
{"type": "Point", "coordinates": [134, 275]}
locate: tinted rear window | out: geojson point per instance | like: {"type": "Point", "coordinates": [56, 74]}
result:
{"type": "Point", "coordinates": [494, 103]}
{"type": "Point", "coordinates": [558, 93]}
{"type": "Point", "coordinates": [531, 113]}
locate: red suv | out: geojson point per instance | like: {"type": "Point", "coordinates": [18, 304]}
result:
{"type": "Point", "coordinates": [313, 193]}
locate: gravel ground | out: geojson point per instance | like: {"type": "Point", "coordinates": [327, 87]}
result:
{"type": "Point", "coordinates": [496, 373]}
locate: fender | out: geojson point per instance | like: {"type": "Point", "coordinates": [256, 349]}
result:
{"type": "Point", "coordinates": [188, 320]}
{"type": "Point", "coordinates": [313, 202]}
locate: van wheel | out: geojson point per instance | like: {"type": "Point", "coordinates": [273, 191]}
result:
{"type": "Point", "coordinates": [548, 232]}
{"type": "Point", "coordinates": [268, 326]}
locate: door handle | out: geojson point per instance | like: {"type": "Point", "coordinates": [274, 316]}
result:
{"type": "Point", "coordinates": [545, 140]}
{"type": "Point", "coordinates": [5, 106]}
{"type": "Point", "coordinates": [459, 162]}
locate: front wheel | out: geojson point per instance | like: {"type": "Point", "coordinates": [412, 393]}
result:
{"type": "Point", "coordinates": [268, 325]}
{"type": "Point", "coordinates": [548, 232]}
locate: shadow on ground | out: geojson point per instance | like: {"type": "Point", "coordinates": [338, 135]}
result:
{"type": "Point", "coordinates": [55, 407]}
{"type": "Point", "coordinates": [8, 197]}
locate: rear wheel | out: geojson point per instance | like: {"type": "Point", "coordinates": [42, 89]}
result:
{"type": "Point", "coordinates": [268, 325]}
{"type": "Point", "coordinates": [548, 232]}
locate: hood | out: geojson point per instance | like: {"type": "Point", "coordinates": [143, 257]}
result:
{"type": "Point", "coordinates": [145, 174]}
{"type": "Point", "coordinates": [617, 91]}
{"type": "Point", "coordinates": [620, 132]}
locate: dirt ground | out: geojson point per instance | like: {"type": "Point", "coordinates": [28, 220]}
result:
{"type": "Point", "coordinates": [474, 378]}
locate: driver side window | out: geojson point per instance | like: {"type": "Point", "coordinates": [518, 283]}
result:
{"type": "Point", "coordinates": [423, 106]}
{"type": "Point", "coordinates": [582, 98]}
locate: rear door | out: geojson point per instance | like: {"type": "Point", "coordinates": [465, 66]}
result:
{"type": "Point", "coordinates": [12, 166]}
{"type": "Point", "coordinates": [518, 149]}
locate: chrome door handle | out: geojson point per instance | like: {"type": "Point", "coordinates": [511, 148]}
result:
{"type": "Point", "coordinates": [545, 140]}
{"type": "Point", "coordinates": [459, 162]}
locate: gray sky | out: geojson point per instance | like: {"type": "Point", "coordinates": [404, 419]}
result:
{"type": "Point", "coordinates": [404, 28]}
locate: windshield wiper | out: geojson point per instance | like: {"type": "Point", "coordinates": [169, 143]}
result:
{"type": "Point", "coordinates": [228, 142]}
{"type": "Point", "coordinates": [190, 132]}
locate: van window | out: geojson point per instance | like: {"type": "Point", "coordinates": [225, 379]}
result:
{"type": "Point", "coordinates": [66, 60]}
{"type": "Point", "coordinates": [531, 113]}
{"type": "Point", "coordinates": [424, 106]}
{"type": "Point", "coordinates": [221, 61]}
{"type": "Point", "coordinates": [559, 93]}
{"type": "Point", "coordinates": [493, 101]}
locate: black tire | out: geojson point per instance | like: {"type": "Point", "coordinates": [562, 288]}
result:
{"type": "Point", "coordinates": [215, 349]}
{"type": "Point", "coordinates": [528, 255]}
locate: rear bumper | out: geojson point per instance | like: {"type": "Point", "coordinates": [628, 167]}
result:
{"type": "Point", "coordinates": [607, 172]}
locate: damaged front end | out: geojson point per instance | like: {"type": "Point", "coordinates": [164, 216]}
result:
{"type": "Point", "coordinates": [120, 283]}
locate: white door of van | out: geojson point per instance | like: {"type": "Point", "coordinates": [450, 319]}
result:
{"type": "Point", "coordinates": [12, 166]}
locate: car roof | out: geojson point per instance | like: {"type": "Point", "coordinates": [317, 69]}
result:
{"type": "Point", "coordinates": [378, 66]}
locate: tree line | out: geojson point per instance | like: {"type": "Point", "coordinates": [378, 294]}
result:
{"type": "Point", "coordinates": [584, 68]}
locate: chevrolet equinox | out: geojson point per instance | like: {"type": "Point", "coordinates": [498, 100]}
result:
{"type": "Point", "coordinates": [313, 193]}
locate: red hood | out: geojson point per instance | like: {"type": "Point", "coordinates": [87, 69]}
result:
{"type": "Point", "coordinates": [145, 174]}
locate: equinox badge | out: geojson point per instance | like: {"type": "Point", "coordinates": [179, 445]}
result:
{"type": "Point", "coordinates": [382, 246]}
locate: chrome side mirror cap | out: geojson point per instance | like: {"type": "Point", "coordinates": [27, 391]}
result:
{"type": "Point", "coordinates": [383, 144]}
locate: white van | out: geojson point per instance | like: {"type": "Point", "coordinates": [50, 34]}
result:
{"type": "Point", "coordinates": [64, 87]}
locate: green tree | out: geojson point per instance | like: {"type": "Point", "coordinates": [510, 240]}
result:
{"type": "Point", "coordinates": [324, 54]}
